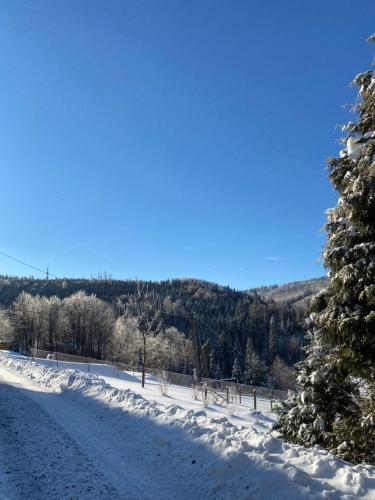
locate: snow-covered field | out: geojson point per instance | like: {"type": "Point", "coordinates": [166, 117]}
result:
{"type": "Point", "coordinates": [136, 443]}
{"type": "Point", "coordinates": [237, 414]}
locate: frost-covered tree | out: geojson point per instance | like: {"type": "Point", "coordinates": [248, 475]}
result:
{"type": "Point", "coordinates": [324, 397]}
{"type": "Point", "coordinates": [144, 307]}
{"type": "Point", "coordinates": [24, 320]}
{"type": "Point", "coordinates": [90, 323]}
{"type": "Point", "coordinates": [255, 370]}
{"type": "Point", "coordinates": [126, 341]}
{"type": "Point", "coordinates": [6, 327]}
{"type": "Point", "coordinates": [341, 355]}
{"type": "Point", "coordinates": [236, 370]}
{"type": "Point", "coordinates": [174, 343]}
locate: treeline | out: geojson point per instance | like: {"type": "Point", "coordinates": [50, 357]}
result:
{"type": "Point", "coordinates": [187, 323]}
{"type": "Point", "coordinates": [85, 325]}
{"type": "Point", "coordinates": [80, 324]}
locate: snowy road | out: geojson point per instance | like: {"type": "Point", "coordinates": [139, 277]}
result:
{"type": "Point", "coordinates": [58, 445]}
{"type": "Point", "coordinates": [39, 459]}
{"type": "Point", "coordinates": [68, 434]}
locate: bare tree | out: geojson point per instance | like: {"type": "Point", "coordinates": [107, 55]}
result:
{"type": "Point", "coordinates": [144, 306]}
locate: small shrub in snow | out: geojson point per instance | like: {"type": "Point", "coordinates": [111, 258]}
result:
{"type": "Point", "coordinates": [164, 382]}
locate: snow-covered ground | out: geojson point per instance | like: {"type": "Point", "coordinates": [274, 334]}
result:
{"type": "Point", "coordinates": [237, 414]}
{"type": "Point", "coordinates": [139, 444]}
{"type": "Point", "coordinates": [39, 459]}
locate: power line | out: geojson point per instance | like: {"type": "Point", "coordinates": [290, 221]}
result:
{"type": "Point", "coordinates": [28, 265]}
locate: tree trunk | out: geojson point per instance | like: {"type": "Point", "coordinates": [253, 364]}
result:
{"type": "Point", "coordinates": [144, 360]}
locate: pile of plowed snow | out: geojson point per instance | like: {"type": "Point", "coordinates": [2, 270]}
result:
{"type": "Point", "coordinates": [246, 452]}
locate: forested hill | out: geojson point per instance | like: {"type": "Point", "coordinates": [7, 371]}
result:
{"type": "Point", "coordinates": [291, 293]}
{"type": "Point", "coordinates": [187, 290]}
{"type": "Point", "coordinates": [225, 318]}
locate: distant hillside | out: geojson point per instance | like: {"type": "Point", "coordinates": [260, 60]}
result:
{"type": "Point", "coordinates": [110, 290]}
{"type": "Point", "coordinates": [296, 293]}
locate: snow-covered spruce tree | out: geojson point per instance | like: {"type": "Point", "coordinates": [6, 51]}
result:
{"type": "Point", "coordinates": [255, 370]}
{"type": "Point", "coordinates": [273, 343]}
{"type": "Point", "coordinates": [324, 396]}
{"type": "Point", "coordinates": [340, 359]}
{"type": "Point", "coordinates": [236, 370]}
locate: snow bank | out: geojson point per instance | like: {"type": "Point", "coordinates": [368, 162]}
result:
{"type": "Point", "coordinates": [246, 460]}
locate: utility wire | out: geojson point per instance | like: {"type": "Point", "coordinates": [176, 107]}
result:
{"type": "Point", "coordinates": [27, 265]}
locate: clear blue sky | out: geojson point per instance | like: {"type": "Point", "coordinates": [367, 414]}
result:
{"type": "Point", "coordinates": [173, 138]}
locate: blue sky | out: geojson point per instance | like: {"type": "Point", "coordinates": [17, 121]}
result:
{"type": "Point", "coordinates": [173, 138]}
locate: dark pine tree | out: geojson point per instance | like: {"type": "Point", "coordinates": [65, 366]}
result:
{"type": "Point", "coordinates": [341, 355]}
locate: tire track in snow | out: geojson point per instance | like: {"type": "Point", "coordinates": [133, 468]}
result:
{"type": "Point", "coordinates": [39, 459]}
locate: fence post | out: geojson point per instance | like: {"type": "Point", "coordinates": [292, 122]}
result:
{"type": "Point", "coordinates": [227, 391]}
{"type": "Point", "coordinates": [271, 399]}
{"type": "Point", "coordinates": [255, 398]}
{"type": "Point", "coordinates": [239, 393]}
{"type": "Point", "coordinates": [57, 356]}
